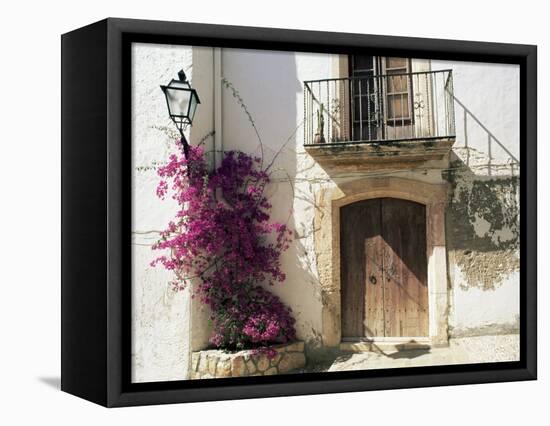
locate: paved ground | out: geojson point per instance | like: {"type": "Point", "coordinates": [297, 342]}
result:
{"type": "Point", "coordinates": [460, 351]}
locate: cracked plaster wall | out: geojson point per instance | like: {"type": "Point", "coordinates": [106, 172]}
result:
{"type": "Point", "coordinates": [482, 221]}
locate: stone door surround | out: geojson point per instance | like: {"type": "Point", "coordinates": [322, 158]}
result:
{"type": "Point", "coordinates": [327, 246]}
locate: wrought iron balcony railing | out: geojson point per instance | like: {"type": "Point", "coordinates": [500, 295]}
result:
{"type": "Point", "coordinates": [379, 108]}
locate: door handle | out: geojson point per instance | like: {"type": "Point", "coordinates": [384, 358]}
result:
{"type": "Point", "coordinates": [372, 279]}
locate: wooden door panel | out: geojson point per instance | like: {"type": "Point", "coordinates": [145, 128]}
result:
{"type": "Point", "coordinates": [360, 238]}
{"type": "Point", "coordinates": [405, 267]}
{"type": "Point", "coordinates": [373, 324]}
{"type": "Point", "coordinates": [352, 274]}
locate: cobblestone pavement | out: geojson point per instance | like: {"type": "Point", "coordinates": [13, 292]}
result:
{"type": "Point", "coordinates": [466, 350]}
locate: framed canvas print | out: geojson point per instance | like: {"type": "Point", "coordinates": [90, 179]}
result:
{"type": "Point", "coordinates": [252, 212]}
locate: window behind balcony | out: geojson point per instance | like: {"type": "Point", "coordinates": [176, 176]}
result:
{"type": "Point", "coordinates": [366, 103]}
{"type": "Point", "coordinates": [381, 96]}
{"type": "Point", "coordinates": [398, 88]}
{"type": "Point", "coordinates": [374, 99]}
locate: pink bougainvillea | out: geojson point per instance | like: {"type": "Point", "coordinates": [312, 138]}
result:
{"type": "Point", "coordinates": [222, 235]}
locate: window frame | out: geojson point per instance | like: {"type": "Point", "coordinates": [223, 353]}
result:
{"type": "Point", "coordinates": [380, 68]}
{"type": "Point", "coordinates": [407, 70]}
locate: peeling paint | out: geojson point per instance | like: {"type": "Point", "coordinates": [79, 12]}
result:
{"type": "Point", "coordinates": [483, 226]}
{"type": "Point", "coordinates": [486, 270]}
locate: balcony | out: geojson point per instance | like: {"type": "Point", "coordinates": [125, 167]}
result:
{"type": "Point", "coordinates": [379, 120]}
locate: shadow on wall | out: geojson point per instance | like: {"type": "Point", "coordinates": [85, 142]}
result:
{"type": "Point", "coordinates": [471, 121]}
{"type": "Point", "coordinates": [482, 221]}
{"type": "Point", "coordinates": [301, 288]}
{"type": "Point", "coordinates": [270, 89]}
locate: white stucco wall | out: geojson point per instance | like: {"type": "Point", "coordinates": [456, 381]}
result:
{"type": "Point", "coordinates": [160, 316]}
{"type": "Point", "coordinates": [487, 142]}
{"type": "Point", "coordinates": [477, 312]}
{"type": "Point", "coordinates": [486, 107]}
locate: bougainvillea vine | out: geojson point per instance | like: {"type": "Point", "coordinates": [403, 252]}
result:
{"type": "Point", "coordinates": [222, 235]}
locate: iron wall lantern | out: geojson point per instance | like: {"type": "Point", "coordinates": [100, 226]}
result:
{"type": "Point", "coordinates": [182, 101]}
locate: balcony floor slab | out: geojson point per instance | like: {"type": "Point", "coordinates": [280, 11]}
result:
{"type": "Point", "coordinates": [397, 154]}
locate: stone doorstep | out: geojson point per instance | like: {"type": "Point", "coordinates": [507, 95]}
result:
{"type": "Point", "coordinates": [392, 345]}
{"type": "Point", "coordinates": [214, 363]}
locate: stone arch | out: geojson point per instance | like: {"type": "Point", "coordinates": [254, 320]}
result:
{"type": "Point", "coordinates": [327, 246]}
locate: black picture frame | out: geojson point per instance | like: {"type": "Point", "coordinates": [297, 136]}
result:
{"type": "Point", "coordinates": [96, 212]}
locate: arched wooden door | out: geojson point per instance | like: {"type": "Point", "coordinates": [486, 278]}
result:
{"type": "Point", "coordinates": [383, 269]}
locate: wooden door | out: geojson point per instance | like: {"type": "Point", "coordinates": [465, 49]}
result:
{"type": "Point", "coordinates": [384, 269]}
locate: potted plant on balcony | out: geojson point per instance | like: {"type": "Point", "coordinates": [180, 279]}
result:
{"type": "Point", "coordinates": [319, 135]}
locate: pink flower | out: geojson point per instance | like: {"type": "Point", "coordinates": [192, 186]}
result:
{"type": "Point", "coordinates": [229, 243]}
